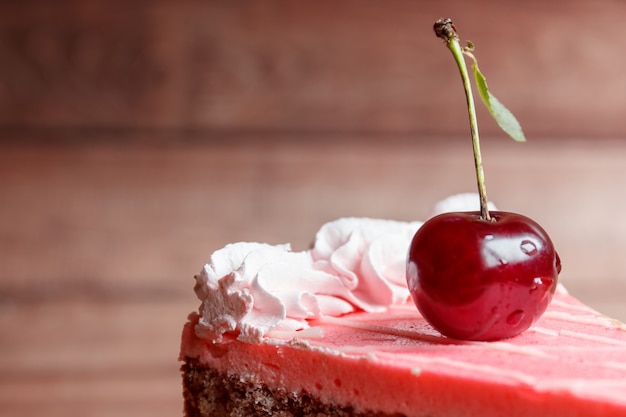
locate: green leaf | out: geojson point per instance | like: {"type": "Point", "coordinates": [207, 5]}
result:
{"type": "Point", "coordinates": [501, 114]}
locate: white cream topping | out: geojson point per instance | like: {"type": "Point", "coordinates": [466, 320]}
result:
{"type": "Point", "coordinates": [355, 264]}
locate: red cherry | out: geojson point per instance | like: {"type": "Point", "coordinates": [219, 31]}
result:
{"type": "Point", "coordinates": [474, 275]}
{"type": "Point", "coordinates": [478, 279]}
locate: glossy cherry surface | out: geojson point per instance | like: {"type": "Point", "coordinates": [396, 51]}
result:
{"type": "Point", "coordinates": [477, 279]}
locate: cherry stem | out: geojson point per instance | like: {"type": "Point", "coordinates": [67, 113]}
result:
{"type": "Point", "coordinates": [444, 28]}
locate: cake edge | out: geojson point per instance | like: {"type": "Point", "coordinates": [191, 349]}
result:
{"type": "Point", "coordinates": [208, 392]}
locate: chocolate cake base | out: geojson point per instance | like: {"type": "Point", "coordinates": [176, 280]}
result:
{"type": "Point", "coordinates": [207, 393]}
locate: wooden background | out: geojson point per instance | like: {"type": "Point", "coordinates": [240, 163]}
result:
{"type": "Point", "coordinates": [328, 66]}
{"type": "Point", "coordinates": [137, 138]}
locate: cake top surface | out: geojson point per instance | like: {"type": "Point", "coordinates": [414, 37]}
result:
{"type": "Point", "coordinates": [570, 348]}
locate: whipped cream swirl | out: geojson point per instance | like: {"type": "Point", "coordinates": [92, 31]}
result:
{"type": "Point", "coordinates": [355, 264]}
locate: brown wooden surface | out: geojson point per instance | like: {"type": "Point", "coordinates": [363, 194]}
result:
{"type": "Point", "coordinates": [100, 241]}
{"type": "Point", "coordinates": [326, 65]}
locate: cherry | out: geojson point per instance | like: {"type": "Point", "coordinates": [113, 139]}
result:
{"type": "Point", "coordinates": [477, 279]}
{"type": "Point", "coordinates": [481, 275]}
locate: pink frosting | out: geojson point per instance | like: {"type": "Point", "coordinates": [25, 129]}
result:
{"type": "Point", "coordinates": [572, 362]}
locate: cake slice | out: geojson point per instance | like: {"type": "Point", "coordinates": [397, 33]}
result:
{"type": "Point", "coordinates": [332, 332]}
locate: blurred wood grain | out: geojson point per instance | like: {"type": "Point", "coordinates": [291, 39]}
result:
{"type": "Point", "coordinates": [100, 240]}
{"type": "Point", "coordinates": [138, 137]}
{"type": "Point", "coordinates": [327, 65]}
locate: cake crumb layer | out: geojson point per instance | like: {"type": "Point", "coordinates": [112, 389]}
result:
{"type": "Point", "coordinates": [208, 393]}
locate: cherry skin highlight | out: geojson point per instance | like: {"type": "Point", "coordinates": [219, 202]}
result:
{"type": "Point", "coordinates": [476, 279]}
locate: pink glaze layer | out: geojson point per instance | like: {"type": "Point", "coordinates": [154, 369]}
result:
{"type": "Point", "coordinates": [572, 362]}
